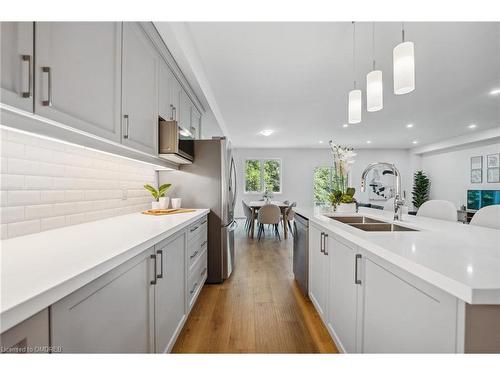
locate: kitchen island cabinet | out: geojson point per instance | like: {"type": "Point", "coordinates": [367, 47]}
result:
{"type": "Point", "coordinates": [386, 292]}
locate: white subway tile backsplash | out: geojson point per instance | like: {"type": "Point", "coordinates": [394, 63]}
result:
{"type": "Point", "coordinates": [39, 182]}
{"type": "Point", "coordinates": [53, 222]}
{"type": "Point", "coordinates": [11, 214]}
{"type": "Point", "coordinates": [46, 184]}
{"type": "Point", "coordinates": [22, 228]}
{"type": "Point", "coordinates": [38, 211]}
{"type": "Point", "coordinates": [11, 181]}
{"type": "Point", "coordinates": [23, 197]}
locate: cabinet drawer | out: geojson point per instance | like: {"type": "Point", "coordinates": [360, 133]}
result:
{"type": "Point", "coordinates": [198, 228]}
{"type": "Point", "coordinates": [195, 249]}
{"type": "Point", "coordinates": [197, 278]}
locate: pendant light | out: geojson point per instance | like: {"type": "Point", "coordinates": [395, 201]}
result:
{"type": "Point", "coordinates": [374, 84]}
{"type": "Point", "coordinates": [354, 109]}
{"type": "Point", "coordinates": [404, 66]}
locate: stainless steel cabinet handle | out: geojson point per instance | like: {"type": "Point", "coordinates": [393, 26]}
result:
{"type": "Point", "coordinates": [356, 280]}
{"type": "Point", "coordinates": [194, 254]}
{"type": "Point", "coordinates": [171, 112]}
{"type": "Point", "coordinates": [204, 221]}
{"type": "Point", "coordinates": [160, 276]}
{"type": "Point", "coordinates": [203, 244]}
{"type": "Point", "coordinates": [194, 288]}
{"type": "Point", "coordinates": [321, 243]}
{"type": "Point", "coordinates": [193, 229]}
{"type": "Point", "coordinates": [203, 272]}
{"type": "Point", "coordinates": [48, 102]}
{"type": "Point", "coordinates": [153, 282]}
{"type": "Point", "coordinates": [127, 123]}
{"type": "Point", "coordinates": [325, 244]}
{"type": "Point", "coordinates": [27, 94]}
{"type": "Point", "coordinates": [174, 113]}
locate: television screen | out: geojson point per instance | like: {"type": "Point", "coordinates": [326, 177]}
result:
{"type": "Point", "coordinates": [477, 199]}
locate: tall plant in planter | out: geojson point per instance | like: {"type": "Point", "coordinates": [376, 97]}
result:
{"type": "Point", "coordinates": [421, 185]}
{"type": "Point", "coordinates": [342, 196]}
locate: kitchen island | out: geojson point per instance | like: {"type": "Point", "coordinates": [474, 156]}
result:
{"type": "Point", "coordinates": [123, 284]}
{"type": "Point", "coordinates": [429, 286]}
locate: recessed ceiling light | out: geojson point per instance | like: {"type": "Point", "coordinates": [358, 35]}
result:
{"type": "Point", "coordinates": [320, 141]}
{"type": "Point", "coordinates": [415, 142]}
{"type": "Point", "coordinates": [495, 91]}
{"type": "Point", "coordinates": [345, 125]}
{"type": "Point", "coordinates": [409, 126]}
{"type": "Point", "coordinates": [472, 126]}
{"type": "Point", "coordinates": [368, 142]}
{"type": "Point", "coordinates": [266, 132]}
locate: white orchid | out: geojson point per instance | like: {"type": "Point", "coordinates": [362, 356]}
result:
{"type": "Point", "coordinates": [343, 159]}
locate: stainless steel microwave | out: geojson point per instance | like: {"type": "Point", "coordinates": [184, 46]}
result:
{"type": "Point", "coordinates": [176, 144]}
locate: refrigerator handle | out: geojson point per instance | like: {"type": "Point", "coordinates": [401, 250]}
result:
{"type": "Point", "coordinates": [233, 176]}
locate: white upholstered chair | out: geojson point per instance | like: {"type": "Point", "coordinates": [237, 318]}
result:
{"type": "Point", "coordinates": [269, 214]}
{"type": "Point", "coordinates": [488, 216]}
{"type": "Point", "coordinates": [438, 209]}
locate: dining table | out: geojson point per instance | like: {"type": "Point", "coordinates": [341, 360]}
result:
{"type": "Point", "coordinates": [255, 205]}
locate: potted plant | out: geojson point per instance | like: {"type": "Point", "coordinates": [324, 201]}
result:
{"type": "Point", "coordinates": [160, 201]}
{"type": "Point", "coordinates": [421, 186]}
{"type": "Point", "coordinates": [342, 197]}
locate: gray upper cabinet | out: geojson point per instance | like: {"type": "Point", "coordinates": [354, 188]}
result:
{"type": "Point", "coordinates": [175, 98]}
{"type": "Point", "coordinates": [16, 75]}
{"type": "Point", "coordinates": [165, 107]}
{"type": "Point", "coordinates": [140, 72]}
{"type": "Point", "coordinates": [78, 70]}
{"type": "Point", "coordinates": [112, 314]}
{"type": "Point", "coordinates": [185, 112]}
{"type": "Point", "coordinates": [170, 291]}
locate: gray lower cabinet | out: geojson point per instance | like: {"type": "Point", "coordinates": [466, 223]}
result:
{"type": "Point", "coordinates": [16, 74]}
{"type": "Point", "coordinates": [140, 72]}
{"type": "Point", "coordinates": [112, 314]}
{"type": "Point", "coordinates": [30, 336]}
{"type": "Point", "coordinates": [78, 75]}
{"type": "Point", "coordinates": [170, 291]}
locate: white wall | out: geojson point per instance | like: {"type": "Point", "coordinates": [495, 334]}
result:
{"type": "Point", "coordinates": [45, 184]}
{"type": "Point", "coordinates": [449, 171]}
{"type": "Point", "coordinates": [298, 166]}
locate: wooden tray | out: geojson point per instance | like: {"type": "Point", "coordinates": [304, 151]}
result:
{"type": "Point", "coordinates": [169, 211]}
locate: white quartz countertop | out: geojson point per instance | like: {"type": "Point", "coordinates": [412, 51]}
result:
{"type": "Point", "coordinates": [40, 269]}
{"type": "Point", "coordinates": [463, 260]}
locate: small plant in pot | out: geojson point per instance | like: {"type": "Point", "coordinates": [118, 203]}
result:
{"type": "Point", "coordinates": [342, 196]}
{"type": "Point", "coordinates": [160, 200]}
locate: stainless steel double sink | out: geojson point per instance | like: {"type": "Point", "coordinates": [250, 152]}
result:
{"type": "Point", "coordinates": [371, 225]}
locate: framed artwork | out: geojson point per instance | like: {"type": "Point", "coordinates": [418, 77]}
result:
{"type": "Point", "coordinates": [476, 169]}
{"type": "Point", "coordinates": [493, 168]}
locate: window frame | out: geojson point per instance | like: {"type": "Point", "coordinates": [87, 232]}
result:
{"type": "Point", "coordinates": [261, 167]}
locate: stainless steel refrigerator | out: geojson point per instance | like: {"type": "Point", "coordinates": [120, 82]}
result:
{"type": "Point", "coordinates": [210, 182]}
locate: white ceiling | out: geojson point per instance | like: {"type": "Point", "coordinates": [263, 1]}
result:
{"type": "Point", "coordinates": [294, 78]}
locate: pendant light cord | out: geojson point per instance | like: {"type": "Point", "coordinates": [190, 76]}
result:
{"type": "Point", "coordinates": [373, 43]}
{"type": "Point", "coordinates": [354, 53]}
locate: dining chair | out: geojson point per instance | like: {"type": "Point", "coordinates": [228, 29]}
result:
{"type": "Point", "coordinates": [289, 215]}
{"type": "Point", "coordinates": [438, 209]}
{"type": "Point", "coordinates": [248, 216]}
{"type": "Point", "coordinates": [488, 217]}
{"type": "Point", "coordinates": [268, 214]}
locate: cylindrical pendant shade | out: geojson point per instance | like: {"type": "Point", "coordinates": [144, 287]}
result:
{"type": "Point", "coordinates": [374, 91]}
{"type": "Point", "coordinates": [354, 106]}
{"type": "Point", "coordinates": [404, 68]}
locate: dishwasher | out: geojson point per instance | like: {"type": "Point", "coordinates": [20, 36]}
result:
{"type": "Point", "coordinates": [301, 252]}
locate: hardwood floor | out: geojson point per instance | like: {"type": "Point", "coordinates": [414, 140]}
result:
{"type": "Point", "coordinates": [258, 310]}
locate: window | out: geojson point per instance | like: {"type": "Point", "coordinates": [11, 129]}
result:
{"type": "Point", "coordinates": [262, 174]}
{"type": "Point", "coordinates": [322, 184]}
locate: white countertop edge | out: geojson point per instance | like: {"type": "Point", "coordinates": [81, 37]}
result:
{"type": "Point", "coordinates": [462, 291]}
{"type": "Point", "coordinates": [25, 309]}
